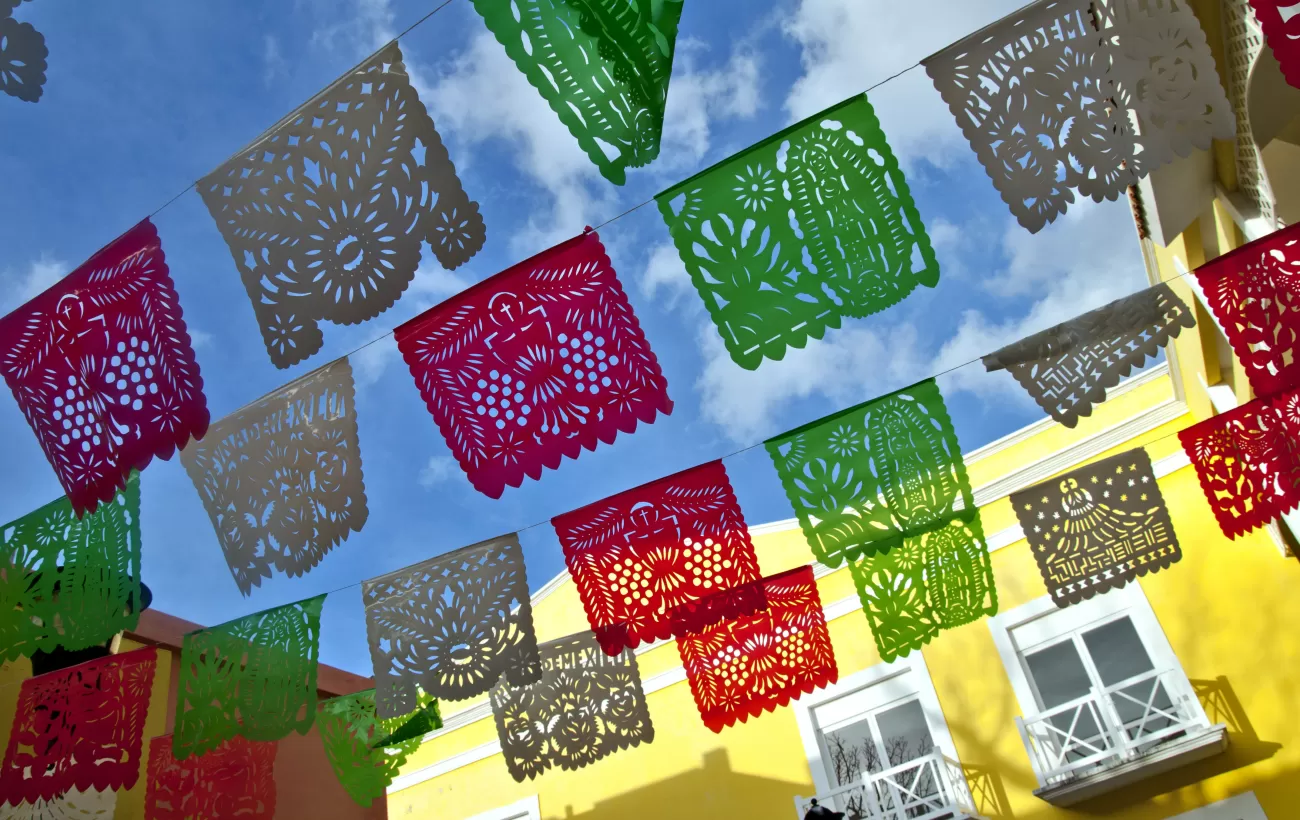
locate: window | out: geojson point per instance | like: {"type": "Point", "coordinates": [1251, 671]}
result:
{"type": "Point", "coordinates": [1097, 683]}
{"type": "Point", "coordinates": [887, 722]}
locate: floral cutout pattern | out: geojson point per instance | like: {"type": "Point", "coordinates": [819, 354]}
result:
{"type": "Point", "coordinates": [1254, 292]}
{"type": "Point", "coordinates": [1247, 462]}
{"type": "Point", "coordinates": [281, 479]}
{"type": "Point", "coordinates": [645, 560]}
{"type": "Point", "coordinates": [862, 479]}
{"type": "Point", "coordinates": [325, 216]}
{"type": "Point", "coordinates": [602, 65]}
{"type": "Point", "coordinates": [102, 367]}
{"type": "Point", "coordinates": [79, 728]}
{"type": "Point", "coordinates": [22, 56]}
{"type": "Point", "coordinates": [359, 744]}
{"type": "Point", "coordinates": [586, 706]}
{"type": "Point", "coordinates": [1048, 98]}
{"type": "Point", "coordinates": [69, 582]}
{"type": "Point", "coordinates": [1098, 528]}
{"type": "Point", "coordinates": [1068, 368]}
{"type": "Point", "coordinates": [935, 580]}
{"type": "Point", "coordinates": [1280, 20]}
{"type": "Point", "coordinates": [788, 237]}
{"type": "Point", "coordinates": [74, 805]}
{"type": "Point", "coordinates": [451, 626]}
{"type": "Point", "coordinates": [235, 779]}
{"type": "Point", "coordinates": [535, 364]}
{"type": "Point", "coordinates": [254, 677]}
{"type": "Point", "coordinates": [755, 663]}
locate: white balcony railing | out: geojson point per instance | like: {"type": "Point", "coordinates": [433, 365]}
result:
{"type": "Point", "coordinates": [1105, 728]}
{"type": "Point", "coordinates": [931, 787]}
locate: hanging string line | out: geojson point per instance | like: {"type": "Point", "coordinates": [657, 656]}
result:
{"type": "Point", "coordinates": [270, 131]}
{"type": "Point", "coordinates": [734, 453]}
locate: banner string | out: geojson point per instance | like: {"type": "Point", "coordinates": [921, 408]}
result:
{"type": "Point", "coordinates": [269, 131]}
{"type": "Point", "coordinates": [734, 453]}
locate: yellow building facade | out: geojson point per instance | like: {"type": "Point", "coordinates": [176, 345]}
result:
{"type": "Point", "coordinates": [1199, 660]}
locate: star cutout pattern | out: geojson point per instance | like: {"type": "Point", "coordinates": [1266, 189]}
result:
{"type": "Point", "coordinates": [1100, 539]}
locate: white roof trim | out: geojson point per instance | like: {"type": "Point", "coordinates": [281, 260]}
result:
{"type": "Point", "coordinates": [837, 609]}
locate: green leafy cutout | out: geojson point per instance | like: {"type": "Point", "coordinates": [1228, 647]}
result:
{"type": "Point", "coordinates": [367, 752]}
{"type": "Point", "coordinates": [786, 238]}
{"type": "Point", "coordinates": [936, 580]}
{"type": "Point", "coordinates": [69, 582]}
{"type": "Point", "coordinates": [863, 479]}
{"type": "Point", "coordinates": [254, 677]}
{"type": "Point", "coordinates": [602, 65]}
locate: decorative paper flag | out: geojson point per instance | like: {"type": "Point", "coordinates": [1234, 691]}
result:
{"type": "Point", "coordinates": [1246, 463]}
{"type": "Point", "coordinates": [935, 580]}
{"type": "Point", "coordinates": [1254, 292]}
{"type": "Point", "coordinates": [102, 368]}
{"type": "Point", "coordinates": [861, 479]}
{"type": "Point", "coordinates": [643, 560]}
{"type": "Point", "coordinates": [22, 56]}
{"type": "Point", "coordinates": [325, 215]}
{"type": "Point", "coordinates": [744, 666]}
{"type": "Point", "coordinates": [602, 66]}
{"type": "Point", "coordinates": [1045, 99]}
{"type": "Point", "coordinates": [534, 364]}
{"type": "Point", "coordinates": [254, 677]}
{"type": "Point", "coordinates": [1068, 368]}
{"type": "Point", "coordinates": [79, 728]}
{"type": "Point", "coordinates": [1280, 20]}
{"type": "Point", "coordinates": [586, 707]}
{"type": "Point", "coordinates": [236, 780]}
{"type": "Point", "coordinates": [281, 478]}
{"type": "Point", "coordinates": [74, 805]}
{"type": "Point", "coordinates": [1097, 528]}
{"type": "Point", "coordinates": [808, 226]}
{"type": "Point", "coordinates": [451, 626]}
{"type": "Point", "coordinates": [69, 582]}
{"type": "Point", "coordinates": [354, 742]}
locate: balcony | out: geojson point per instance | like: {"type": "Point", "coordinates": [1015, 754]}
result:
{"type": "Point", "coordinates": [1130, 731]}
{"type": "Point", "coordinates": [930, 787]}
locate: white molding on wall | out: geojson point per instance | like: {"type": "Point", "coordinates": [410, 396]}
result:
{"type": "Point", "coordinates": [1080, 452]}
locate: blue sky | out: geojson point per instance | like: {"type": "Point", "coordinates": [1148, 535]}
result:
{"type": "Point", "coordinates": [143, 97]}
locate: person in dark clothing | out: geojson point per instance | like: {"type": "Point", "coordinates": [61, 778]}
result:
{"type": "Point", "coordinates": [822, 813]}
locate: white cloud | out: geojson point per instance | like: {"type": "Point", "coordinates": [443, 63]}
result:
{"type": "Point", "coordinates": [848, 45]}
{"type": "Point", "coordinates": [1081, 262]}
{"type": "Point", "coordinates": [437, 470]}
{"type": "Point", "coordinates": [430, 286]}
{"type": "Point", "coordinates": [273, 62]}
{"type": "Point", "coordinates": [480, 96]}
{"type": "Point", "coordinates": [665, 272]}
{"type": "Point", "coordinates": [698, 97]}
{"type": "Point", "coordinates": [199, 338]}
{"type": "Point", "coordinates": [40, 275]}
{"type": "Point", "coordinates": [850, 365]}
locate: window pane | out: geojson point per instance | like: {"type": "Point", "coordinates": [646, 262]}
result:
{"type": "Point", "coordinates": [1143, 708]}
{"type": "Point", "coordinates": [851, 750]}
{"type": "Point", "coordinates": [1060, 677]}
{"type": "Point", "coordinates": [905, 733]}
{"type": "Point", "coordinates": [1058, 674]}
{"type": "Point", "coordinates": [1117, 651]}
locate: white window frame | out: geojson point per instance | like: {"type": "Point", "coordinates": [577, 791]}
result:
{"type": "Point", "coordinates": [1129, 600]}
{"type": "Point", "coordinates": [527, 809]}
{"type": "Point", "coordinates": [903, 679]}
